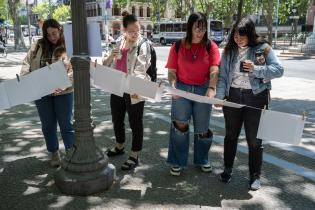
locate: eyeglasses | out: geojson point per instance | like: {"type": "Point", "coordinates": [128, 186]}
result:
{"type": "Point", "coordinates": [198, 30]}
{"type": "Point", "coordinates": [130, 33]}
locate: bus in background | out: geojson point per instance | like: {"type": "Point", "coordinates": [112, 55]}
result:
{"type": "Point", "coordinates": [216, 31]}
{"type": "Point", "coordinates": [168, 32]}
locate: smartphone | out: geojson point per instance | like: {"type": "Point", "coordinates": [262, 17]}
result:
{"type": "Point", "coordinates": [242, 66]}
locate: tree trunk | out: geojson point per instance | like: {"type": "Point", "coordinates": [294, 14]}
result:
{"type": "Point", "coordinates": [182, 13]}
{"type": "Point", "coordinates": [18, 38]}
{"type": "Point", "coordinates": [228, 17]}
{"type": "Point", "coordinates": [239, 10]}
{"type": "Point", "coordinates": [190, 6]}
{"type": "Point", "coordinates": [269, 19]}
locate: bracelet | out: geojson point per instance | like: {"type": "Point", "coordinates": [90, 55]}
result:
{"type": "Point", "coordinates": [212, 88]}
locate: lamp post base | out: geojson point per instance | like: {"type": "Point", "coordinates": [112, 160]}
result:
{"type": "Point", "coordinates": [83, 184]}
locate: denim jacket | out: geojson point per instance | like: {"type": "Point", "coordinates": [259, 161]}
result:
{"type": "Point", "coordinates": [260, 77]}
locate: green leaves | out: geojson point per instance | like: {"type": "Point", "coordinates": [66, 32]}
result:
{"type": "Point", "coordinates": [58, 12]}
{"type": "Point", "coordinates": [62, 13]}
{"type": "Point", "coordinates": [42, 10]}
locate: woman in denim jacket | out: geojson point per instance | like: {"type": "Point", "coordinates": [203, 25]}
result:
{"type": "Point", "coordinates": [126, 59]}
{"type": "Point", "coordinates": [247, 66]}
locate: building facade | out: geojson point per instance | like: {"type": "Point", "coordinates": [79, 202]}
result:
{"type": "Point", "coordinates": [96, 11]}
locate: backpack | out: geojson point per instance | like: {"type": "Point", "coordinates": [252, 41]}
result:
{"type": "Point", "coordinates": [152, 70]}
{"type": "Point", "coordinates": [178, 42]}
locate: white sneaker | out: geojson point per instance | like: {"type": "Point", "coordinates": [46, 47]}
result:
{"type": "Point", "coordinates": [55, 159]}
{"type": "Point", "coordinates": [255, 185]}
{"type": "Point", "coordinates": [175, 171]}
{"type": "Point", "coordinates": [207, 168]}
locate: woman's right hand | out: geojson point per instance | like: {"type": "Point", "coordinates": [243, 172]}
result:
{"type": "Point", "coordinates": [173, 85]}
{"type": "Point", "coordinates": [114, 53]}
{"type": "Point", "coordinates": [108, 60]}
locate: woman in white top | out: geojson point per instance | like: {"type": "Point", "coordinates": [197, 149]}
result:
{"type": "Point", "coordinates": [125, 58]}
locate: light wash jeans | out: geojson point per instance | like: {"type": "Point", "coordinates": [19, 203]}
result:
{"type": "Point", "coordinates": [182, 110]}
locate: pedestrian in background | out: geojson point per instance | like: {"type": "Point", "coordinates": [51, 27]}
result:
{"type": "Point", "coordinates": [124, 58]}
{"type": "Point", "coordinates": [193, 67]}
{"type": "Point", "coordinates": [247, 66]}
{"type": "Point", "coordinates": [40, 23]}
{"type": "Point", "coordinates": [57, 107]}
{"type": "Point", "coordinates": [1, 39]}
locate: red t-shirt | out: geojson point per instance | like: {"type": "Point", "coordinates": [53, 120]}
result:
{"type": "Point", "coordinates": [194, 71]}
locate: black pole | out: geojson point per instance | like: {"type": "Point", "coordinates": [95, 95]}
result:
{"type": "Point", "coordinates": [85, 169]}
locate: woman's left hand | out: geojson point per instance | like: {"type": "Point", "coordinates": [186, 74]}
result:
{"type": "Point", "coordinates": [248, 66]}
{"type": "Point", "coordinates": [58, 91]}
{"type": "Point", "coordinates": [135, 96]}
{"type": "Point", "coordinates": [210, 93]}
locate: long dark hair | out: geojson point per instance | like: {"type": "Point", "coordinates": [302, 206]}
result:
{"type": "Point", "coordinates": [201, 20]}
{"type": "Point", "coordinates": [128, 18]}
{"type": "Point", "coordinates": [45, 44]}
{"type": "Point", "coordinates": [245, 27]}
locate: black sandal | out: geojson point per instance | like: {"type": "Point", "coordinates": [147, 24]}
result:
{"type": "Point", "coordinates": [130, 164]}
{"type": "Point", "coordinates": [115, 151]}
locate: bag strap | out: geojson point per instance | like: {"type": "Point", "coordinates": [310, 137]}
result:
{"type": "Point", "coordinates": [208, 46]}
{"type": "Point", "coordinates": [177, 45]}
{"type": "Point", "coordinates": [139, 45]}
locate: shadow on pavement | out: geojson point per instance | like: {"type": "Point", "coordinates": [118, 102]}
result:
{"type": "Point", "coordinates": [10, 64]}
{"type": "Point", "coordinates": [27, 183]}
{"type": "Point", "coordinates": [294, 106]}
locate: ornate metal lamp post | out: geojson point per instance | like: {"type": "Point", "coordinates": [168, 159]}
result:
{"type": "Point", "coordinates": [85, 169]}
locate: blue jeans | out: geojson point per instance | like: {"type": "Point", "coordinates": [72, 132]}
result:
{"type": "Point", "coordinates": [53, 109]}
{"type": "Point", "coordinates": [182, 110]}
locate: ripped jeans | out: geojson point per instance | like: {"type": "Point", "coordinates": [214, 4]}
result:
{"type": "Point", "coordinates": [182, 111]}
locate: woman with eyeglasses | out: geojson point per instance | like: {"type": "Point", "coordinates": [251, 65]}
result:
{"type": "Point", "coordinates": [126, 59]}
{"type": "Point", "coordinates": [193, 67]}
{"type": "Point", "coordinates": [57, 107]}
{"type": "Point", "coordinates": [247, 66]}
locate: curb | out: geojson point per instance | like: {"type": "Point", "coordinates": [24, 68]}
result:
{"type": "Point", "coordinates": [299, 55]}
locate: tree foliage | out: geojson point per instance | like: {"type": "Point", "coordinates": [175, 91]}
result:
{"type": "Point", "coordinates": [42, 10]}
{"type": "Point", "coordinates": [3, 9]}
{"type": "Point", "coordinates": [62, 13]}
{"type": "Point", "coordinates": [286, 9]}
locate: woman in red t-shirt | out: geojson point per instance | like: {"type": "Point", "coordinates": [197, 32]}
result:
{"type": "Point", "coordinates": [192, 67]}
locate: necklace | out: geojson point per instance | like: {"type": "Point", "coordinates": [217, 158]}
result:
{"type": "Point", "coordinates": [194, 54]}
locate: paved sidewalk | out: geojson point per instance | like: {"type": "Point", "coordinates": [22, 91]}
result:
{"type": "Point", "coordinates": [26, 179]}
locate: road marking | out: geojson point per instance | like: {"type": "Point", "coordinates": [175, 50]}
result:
{"type": "Point", "coordinates": [299, 170]}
